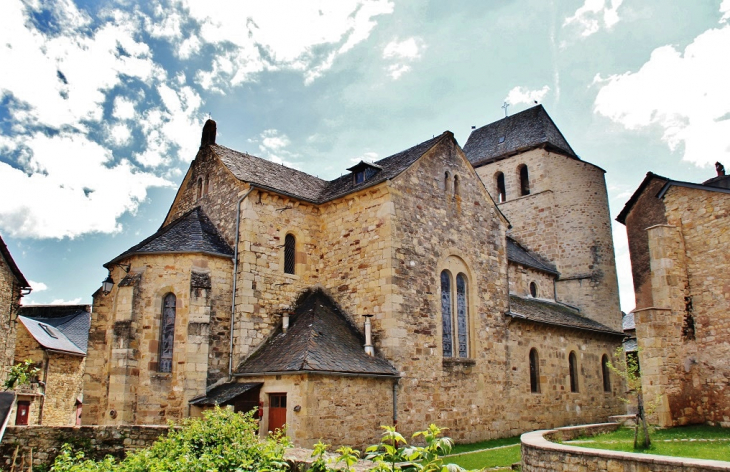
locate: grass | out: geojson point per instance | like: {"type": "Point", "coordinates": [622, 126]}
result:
{"type": "Point", "coordinates": [699, 442]}
{"type": "Point", "coordinates": [508, 453]}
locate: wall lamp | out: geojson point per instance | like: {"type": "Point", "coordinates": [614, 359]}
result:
{"type": "Point", "coordinates": [108, 283]}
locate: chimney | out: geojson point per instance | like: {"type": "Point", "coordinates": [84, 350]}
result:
{"type": "Point", "coordinates": [369, 350]}
{"type": "Point", "coordinates": [284, 321]}
{"type": "Point", "coordinates": [209, 130]}
{"type": "Point", "coordinates": [720, 169]}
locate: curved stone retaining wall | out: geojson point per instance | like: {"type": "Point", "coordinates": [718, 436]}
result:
{"type": "Point", "coordinates": [541, 454]}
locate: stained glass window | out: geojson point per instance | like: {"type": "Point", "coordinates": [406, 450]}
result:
{"type": "Point", "coordinates": [446, 313]}
{"type": "Point", "coordinates": [167, 333]}
{"type": "Point", "coordinates": [461, 314]}
{"type": "Point", "coordinates": [289, 253]}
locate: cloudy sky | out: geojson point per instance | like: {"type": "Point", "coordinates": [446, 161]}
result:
{"type": "Point", "coordinates": [102, 102]}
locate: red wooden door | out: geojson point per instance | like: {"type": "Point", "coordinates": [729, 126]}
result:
{"type": "Point", "coordinates": [277, 411]}
{"type": "Point", "coordinates": [21, 417]}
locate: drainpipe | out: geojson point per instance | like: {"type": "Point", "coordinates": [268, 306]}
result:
{"type": "Point", "coordinates": [47, 359]}
{"type": "Point", "coordinates": [235, 277]}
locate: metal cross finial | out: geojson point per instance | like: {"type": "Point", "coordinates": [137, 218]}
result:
{"type": "Point", "coordinates": [505, 106]}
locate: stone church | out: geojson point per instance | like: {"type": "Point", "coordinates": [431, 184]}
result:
{"type": "Point", "coordinates": [473, 288]}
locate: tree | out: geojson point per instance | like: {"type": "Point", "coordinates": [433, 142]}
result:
{"type": "Point", "coordinates": [627, 367]}
{"type": "Point", "coordinates": [20, 374]}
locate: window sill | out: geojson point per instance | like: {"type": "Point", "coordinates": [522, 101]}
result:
{"type": "Point", "coordinates": [455, 361]}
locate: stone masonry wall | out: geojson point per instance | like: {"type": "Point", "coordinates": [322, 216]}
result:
{"type": "Point", "coordinates": [521, 276]}
{"type": "Point", "coordinates": [9, 296]}
{"type": "Point", "coordinates": [124, 340]}
{"type": "Point", "coordinates": [566, 219]}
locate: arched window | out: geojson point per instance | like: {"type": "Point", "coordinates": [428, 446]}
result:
{"type": "Point", "coordinates": [447, 182]}
{"type": "Point", "coordinates": [456, 185]}
{"type": "Point", "coordinates": [534, 371]}
{"type": "Point", "coordinates": [200, 187]}
{"type": "Point", "coordinates": [501, 189]}
{"type": "Point", "coordinates": [605, 370]}
{"type": "Point", "coordinates": [573, 366]}
{"type": "Point", "coordinates": [524, 181]}
{"type": "Point", "coordinates": [167, 333]}
{"type": "Point", "coordinates": [205, 185]}
{"type": "Point", "coordinates": [455, 315]}
{"type": "Point", "coordinates": [446, 313]}
{"type": "Point", "coordinates": [533, 289]}
{"type": "Point", "coordinates": [289, 253]}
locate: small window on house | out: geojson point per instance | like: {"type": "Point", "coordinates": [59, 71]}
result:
{"type": "Point", "coordinates": [573, 367]}
{"type": "Point", "coordinates": [606, 371]}
{"type": "Point", "coordinates": [167, 333]}
{"type": "Point", "coordinates": [363, 171]}
{"type": "Point", "coordinates": [534, 371]}
{"type": "Point", "coordinates": [501, 189]}
{"type": "Point", "coordinates": [205, 185]}
{"type": "Point", "coordinates": [48, 331]}
{"type": "Point", "coordinates": [289, 254]}
{"type": "Point", "coordinates": [456, 185]}
{"type": "Point", "coordinates": [524, 181]}
{"type": "Point", "coordinates": [360, 177]}
{"type": "Point", "coordinates": [533, 289]}
{"type": "Point", "coordinates": [501, 139]}
{"type": "Point", "coordinates": [200, 188]}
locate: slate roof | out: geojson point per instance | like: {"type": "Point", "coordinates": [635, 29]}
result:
{"type": "Point", "coordinates": [287, 181]}
{"type": "Point", "coordinates": [192, 232]}
{"type": "Point", "coordinates": [320, 338]}
{"type": "Point", "coordinates": [522, 131]}
{"type": "Point", "coordinates": [631, 345]}
{"type": "Point", "coordinates": [223, 393]}
{"type": "Point", "coordinates": [521, 255]}
{"type": "Point", "coordinates": [556, 314]}
{"type": "Point", "coordinates": [58, 327]}
{"type": "Point", "coordinates": [628, 322]}
{"type": "Point", "coordinates": [12, 265]}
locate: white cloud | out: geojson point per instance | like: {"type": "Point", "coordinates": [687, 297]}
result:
{"type": "Point", "coordinates": [684, 94]}
{"type": "Point", "coordinates": [123, 108]}
{"type": "Point", "coordinates": [61, 301]}
{"type": "Point", "coordinates": [524, 95]}
{"type": "Point", "coordinates": [725, 10]}
{"type": "Point", "coordinates": [594, 15]}
{"type": "Point", "coordinates": [37, 286]}
{"type": "Point", "coordinates": [402, 53]}
{"type": "Point", "coordinates": [120, 134]}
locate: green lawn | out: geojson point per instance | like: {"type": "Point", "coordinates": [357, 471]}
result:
{"type": "Point", "coordinates": [699, 441]}
{"type": "Point", "coordinates": [508, 453]}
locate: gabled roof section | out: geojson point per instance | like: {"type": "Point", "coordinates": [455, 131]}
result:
{"type": "Point", "coordinates": [63, 328]}
{"type": "Point", "coordinates": [528, 129]}
{"type": "Point", "coordinates": [621, 218]}
{"type": "Point", "coordinates": [222, 394]}
{"type": "Point", "coordinates": [193, 232]}
{"type": "Point", "coordinates": [321, 339]}
{"type": "Point", "coordinates": [12, 265]}
{"type": "Point", "coordinates": [556, 314]}
{"type": "Point", "coordinates": [628, 322]}
{"type": "Point", "coordinates": [521, 255]}
{"type": "Point", "coordinates": [291, 182]}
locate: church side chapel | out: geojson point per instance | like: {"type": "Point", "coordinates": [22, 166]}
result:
{"type": "Point", "coordinates": [461, 287]}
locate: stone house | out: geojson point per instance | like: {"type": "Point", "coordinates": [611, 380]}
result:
{"type": "Point", "coordinates": [399, 293]}
{"type": "Point", "coordinates": [55, 338]}
{"type": "Point", "coordinates": [679, 241]}
{"type": "Point", "coordinates": [13, 286]}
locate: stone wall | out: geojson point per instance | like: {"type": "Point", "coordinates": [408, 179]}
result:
{"type": "Point", "coordinates": [541, 454]}
{"type": "Point", "coordinates": [95, 441]}
{"type": "Point", "coordinates": [520, 278]}
{"type": "Point", "coordinates": [9, 296]}
{"type": "Point", "coordinates": [565, 218]}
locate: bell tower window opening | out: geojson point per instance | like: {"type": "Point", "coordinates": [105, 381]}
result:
{"type": "Point", "coordinates": [534, 371]}
{"type": "Point", "coordinates": [289, 254]}
{"type": "Point", "coordinates": [167, 333]}
{"type": "Point", "coordinates": [524, 181]}
{"type": "Point", "coordinates": [573, 367]}
{"type": "Point", "coordinates": [501, 189]}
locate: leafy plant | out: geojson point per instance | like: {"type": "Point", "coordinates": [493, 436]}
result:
{"type": "Point", "coordinates": [394, 453]}
{"type": "Point", "coordinates": [20, 374]}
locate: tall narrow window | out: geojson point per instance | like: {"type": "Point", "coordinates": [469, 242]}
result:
{"type": "Point", "coordinates": [524, 181]}
{"type": "Point", "coordinates": [534, 372]}
{"type": "Point", "coordinates": [289, 253]}
{"type": "Point", "coordinates": [167, 333]}
{"type": "Point", "coordinates": [200, 187]}
{"type": "Point", "coordinates": [447, 182]}
{"type": "Point", "coordinates": [605, 370]}
{"type": "Point", "coordinates": [501, 189]}
{"type": "Point", "coordinates": [461, 314]}
{"type": "Point", "coordinates": [205, 185]}
{"type": "Point", "coordinates": [456, 185]}
{"type": "Point", "coordinates": [446, 313]}
{"type": "Point", "coordinates": [573, 366]}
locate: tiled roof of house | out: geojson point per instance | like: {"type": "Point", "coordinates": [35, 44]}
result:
{"type": "Point", "coordinates": [553, 313]}
{"type": "Point", "coordinates": [631, 345]}
{"type": "Point", "coordinates": [192, 232]}
{"type": "Point", "coordinates": [628, 322]}
{"type": "Point", "coordinates": [12, 265]}
{"type": "Point", "coordinates": [320, 338]}
{"type": "Point", "coordinates": [221, 394]}
{"type": "Point", "coordinates": [58, 327]}
{"type": "Point", "coordinates": [521, 255]}
{"type": "Point", "coordinates": [276, 177]}
{"type": "Point", "coordinates": [520, 132]}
